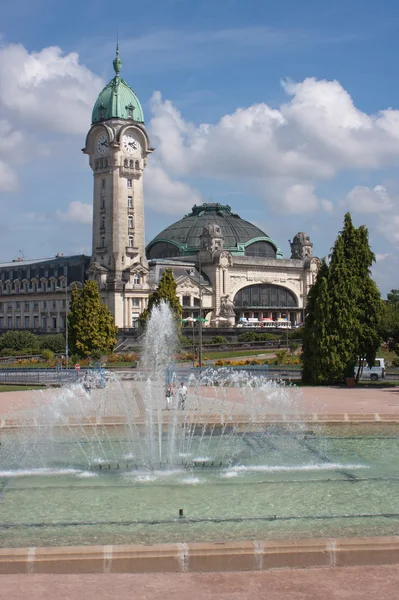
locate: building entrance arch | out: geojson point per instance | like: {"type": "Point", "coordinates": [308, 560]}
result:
{"type": "Point", "coordinates": [267, 301]}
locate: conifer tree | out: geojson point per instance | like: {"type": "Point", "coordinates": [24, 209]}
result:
{"type": "Point", "coordinates": [343, 312]}
{"type": "Point", "coordinates": [166, 291]}
{"type": "Point", "coordinates": [91, 326]}
{"type": "Point", "coordinates": [315, 329]}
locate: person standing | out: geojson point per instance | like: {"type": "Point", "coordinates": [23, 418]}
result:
{"type": "Point", "coordinates": [169, 396]}
{"type": "Point", "coordinates": [182, 394]}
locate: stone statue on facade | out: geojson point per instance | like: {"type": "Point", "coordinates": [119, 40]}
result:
{"type": "Point", "coordinates": [226, 307]}
{"type": "Point", "coordinates": [301, 246]}
{"type": "Point", "coordinates": [212, 238]}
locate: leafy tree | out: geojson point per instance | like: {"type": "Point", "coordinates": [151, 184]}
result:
{"type": "Point", "coordinates": [389, 326]}
{"type": "Point", "coordinates": [166, 291]}
{"type": "Point", "coordinates": [343, 312]}
{"type": "Point", "coordinates": [19, 340]}
{"type": "Point", "coordinates": [393, 297]}
{"type": "Point", "coordinates": [91, 325]}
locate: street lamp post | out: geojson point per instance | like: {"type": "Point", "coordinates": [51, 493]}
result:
{"type": "Point", "coordinates": [66, 320]}
{"type": "Point", "coordinates": [66, 323]}
{"type": "Point", "coordinates": [200, 313]}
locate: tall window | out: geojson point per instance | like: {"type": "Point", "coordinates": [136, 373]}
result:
{"type": "Point", "coordinates": [26, 322]}
{"type": "Point", "coordinates": [129, 183]}
{"type": "Point", "coordinates": [130, 201]}
{"type": "Point", "coordinates": [103, 183]}
{"type": "Point", "coordinates": [136, 279]}
{"type": "Point", "coordinates": [102, 202]}
{"type": "Point", "coordinates": [125, 162]}
{"type": "Point", "coordinates": [103, 242]}
{"type": "Point", "coordinates": [130, 241]}
{"type": "Point", "coordinates": [130, 222]}
{"type": "Point", "coordinates": [102, 222]}
{"type": "Point", "coordinates": [135, 302]}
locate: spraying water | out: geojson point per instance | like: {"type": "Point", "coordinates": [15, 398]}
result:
{"type": "Point", "coordinates": [227, 416]}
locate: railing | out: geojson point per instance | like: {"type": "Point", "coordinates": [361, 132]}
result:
{"type": "Point", "coordinates": [35, 376]}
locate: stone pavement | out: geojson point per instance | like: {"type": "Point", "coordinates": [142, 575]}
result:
{"type": "Point", "coordinates": [347, 583]}
{"type": "Point", "coordinates": [321, 400]}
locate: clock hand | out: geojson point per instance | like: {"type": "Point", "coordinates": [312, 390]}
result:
{"type": "Point", "coordinates": [104, 143]}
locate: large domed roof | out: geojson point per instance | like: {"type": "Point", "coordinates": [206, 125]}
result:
{"type": "Point", "coordinates": [117, 100]}
{"type": "Point", "coordinates": [184, 235]}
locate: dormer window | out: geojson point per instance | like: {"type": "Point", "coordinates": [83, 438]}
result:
{"type": "Point", "coordinates": [136, 279]}
{"type": "Point", "coordinates": [130, 109]}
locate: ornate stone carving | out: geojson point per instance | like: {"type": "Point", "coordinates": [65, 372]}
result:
{"type": "Point", "coordinates": [212, 238]}
{"type": "Point", "coordinates": [226, 307]}
{"type": "Point", "coordinates": [301, 246]}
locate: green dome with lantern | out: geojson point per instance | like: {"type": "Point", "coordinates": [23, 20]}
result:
{"type": "Point", "coordinates": [117, 100]}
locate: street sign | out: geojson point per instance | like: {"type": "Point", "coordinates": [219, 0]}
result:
{"type": "Point", "coordinates": [77, 367]}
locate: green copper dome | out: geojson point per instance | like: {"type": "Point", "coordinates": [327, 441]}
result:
{"type": "Point", "coordinates": [117, 100]}
{"type": "Point", "coordinates": [241, 238]}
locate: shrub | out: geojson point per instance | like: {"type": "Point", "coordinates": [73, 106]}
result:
{"type": "Point", "coordinates": [185, 341]}
{"type": "Point", "coordinates": [19, 340]}
{"type": "Point", "coordinates": [218, 339]}
{"type": "Point", "coordinates": [248, 336]}
{"type": "Point", "coordinates": [54, 342]}
{"type": "Point", "coordinates": [47, 354]}
{"type": "Point", "coordinates": [281, 356]}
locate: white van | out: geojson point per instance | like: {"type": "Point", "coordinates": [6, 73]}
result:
{"type": "Point", "coordinates": [377, 371]}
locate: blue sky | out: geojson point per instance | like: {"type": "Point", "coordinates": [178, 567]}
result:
{"type": "Point", "coordinates": [292, 156]}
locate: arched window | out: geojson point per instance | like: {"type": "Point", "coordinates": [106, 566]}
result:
{"type": "Point", "coordinates": [265, 295]}
{"type": "Point", "coordinates": [131, 164]}
{"type": "Point", "coordinates": [125, 162]}
{"type": "Point", "coordinates": [96, 164]}
{"type": "Point", "coordinates": [163, 250]}
{"type": "Point", "coordinates": [137, 164]}
{"type": "Point", "coordinates": [261, 249]}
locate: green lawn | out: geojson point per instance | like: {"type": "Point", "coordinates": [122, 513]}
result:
{"type": "Point", "coordinates": [234, 353]}
{"type": "Point", "coordinates": [18, 388]}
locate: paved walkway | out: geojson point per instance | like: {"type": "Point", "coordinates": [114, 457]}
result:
{"type": "Point", "coordinates": [309, 400]}
{"type": "Point", "coordinates": [352, 583]}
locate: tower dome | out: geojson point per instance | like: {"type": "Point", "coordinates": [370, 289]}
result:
{"type": "Point", "coordinates": [241, 238]}
{"type": "Point", "coordinates": [117, 100]}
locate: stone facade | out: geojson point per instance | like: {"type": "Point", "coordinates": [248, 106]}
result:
{"type": "Point", "coordinates": [34, 293]}
{"type": "Point", "coordinates": [118, 263]}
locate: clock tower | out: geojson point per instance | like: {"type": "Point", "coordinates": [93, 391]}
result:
{"type": "Point", "coordinates": [118, 145]}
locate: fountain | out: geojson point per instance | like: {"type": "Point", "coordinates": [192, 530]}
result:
{"type": "Point", "coordinates": [113, 465]}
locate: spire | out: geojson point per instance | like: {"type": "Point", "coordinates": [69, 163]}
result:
{"type": "Point", "coordinates": [117, 61]}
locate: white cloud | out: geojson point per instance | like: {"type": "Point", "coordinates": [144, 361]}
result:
{"type": "Point", "coordinates": [77, 212]}
{"type": "Point", "coordinates": [8, 178]}
{"type": "Point", "coordinates": [314, 136]}
{"type": "Point", "coordinates": [42, 94]}
{"type": "Point", "coordinates": [168, 196]}
{"type": "Point", "coordinates": [362, 199]}
{"type": "Point", "coordinates": [47, 89]}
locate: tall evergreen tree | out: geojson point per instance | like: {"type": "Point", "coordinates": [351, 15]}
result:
{"type": "Point", "coordinates": [91, 326]}
{"type": "Point", "coordinates": [314, 333]}
{"type": "Point", "coordinates": [166, 291]}
{"type": "Point", "coordinates": [341, 325]}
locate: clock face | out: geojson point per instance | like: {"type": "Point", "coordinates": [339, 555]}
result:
{"type": "Point", "coordinates": [130, 144]}
{"type": "Point", "coordinates": [102, 144]}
